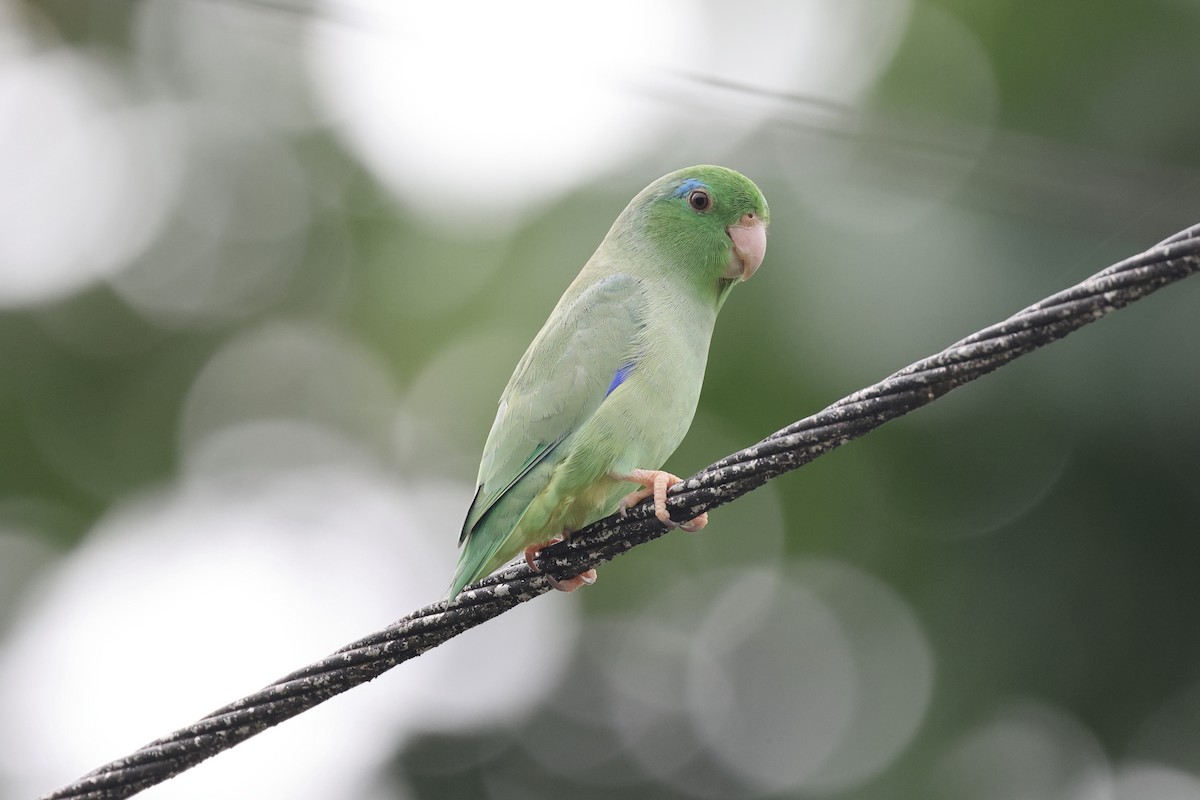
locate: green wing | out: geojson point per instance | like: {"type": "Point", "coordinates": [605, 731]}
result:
{"type": "Point", "coordinates": [559, 383]}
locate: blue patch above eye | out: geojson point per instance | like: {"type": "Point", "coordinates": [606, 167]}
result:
{"type": "Point", "coordinates": [687, 186]}
{"type": "Point", "coordinates": [622, 373]}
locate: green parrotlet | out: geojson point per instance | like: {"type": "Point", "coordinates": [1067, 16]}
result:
{"type": "Point", "coordinates": [609, 386]}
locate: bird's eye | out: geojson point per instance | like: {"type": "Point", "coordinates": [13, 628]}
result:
{"type": "Point", "coordinates": [699, 200]}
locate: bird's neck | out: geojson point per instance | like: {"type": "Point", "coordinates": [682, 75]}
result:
{"type": "Point", "coordinates": [661, 266]}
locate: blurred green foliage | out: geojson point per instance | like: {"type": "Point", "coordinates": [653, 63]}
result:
{"type": "Point", "coordinates": [1040, 524]}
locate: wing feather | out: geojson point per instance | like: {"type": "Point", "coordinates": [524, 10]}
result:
{"type": "Point", "coordinates": [560, 382]}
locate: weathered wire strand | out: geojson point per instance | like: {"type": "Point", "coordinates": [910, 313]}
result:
{"type": "Point", "coordinates": [912, 387]}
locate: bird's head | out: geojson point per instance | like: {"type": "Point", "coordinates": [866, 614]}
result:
{"type": "Point", "coordinates": [708, 220]}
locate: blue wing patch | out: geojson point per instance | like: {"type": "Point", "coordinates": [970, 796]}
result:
{"type": "Point", "coordinates": [687, 186]}
{"type": "Point", "coordinates": [622, 373]}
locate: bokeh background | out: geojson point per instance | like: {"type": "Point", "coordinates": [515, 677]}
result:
{"type": "Point", "coordinates": [266, 266]}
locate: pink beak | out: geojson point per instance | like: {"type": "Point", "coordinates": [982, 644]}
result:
{"type": "Point", "coordinates": [749, 237]}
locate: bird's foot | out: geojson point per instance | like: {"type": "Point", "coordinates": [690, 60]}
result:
{"type": "Point", "coordinates": [655, 483]}
{"type": "Point", "coordinates": [570, 584]}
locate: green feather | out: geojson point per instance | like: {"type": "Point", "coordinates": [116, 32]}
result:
{"type": "Point", "coordinates": [644, 304]}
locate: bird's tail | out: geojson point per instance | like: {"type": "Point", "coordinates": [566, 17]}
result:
{"type": "Point", "coordinates": [471, 562]}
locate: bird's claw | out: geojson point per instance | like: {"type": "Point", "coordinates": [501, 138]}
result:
{"type": "Point", "coordinates": [655, 482]}
{"type": "Point", "coordinates": [570, 584]}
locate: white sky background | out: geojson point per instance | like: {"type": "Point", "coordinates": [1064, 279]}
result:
{"type": "Point", "coordinates": [473, 111]}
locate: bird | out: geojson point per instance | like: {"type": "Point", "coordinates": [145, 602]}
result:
{"type": "Point", "coordinates": [608, 387]}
